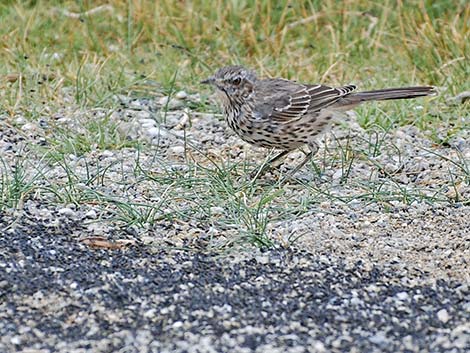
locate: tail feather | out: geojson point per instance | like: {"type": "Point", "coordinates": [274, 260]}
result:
{"type": "Point", "coordinates": [393, 93]}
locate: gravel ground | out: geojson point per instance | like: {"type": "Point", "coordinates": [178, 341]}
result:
{"type": "Point", "coordinates": [60, 294]}
{"type": "Point", "coordinates": [375, 273]}
{"type": "Point", "coordinates": [428, 241]}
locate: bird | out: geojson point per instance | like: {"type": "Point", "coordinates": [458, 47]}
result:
{"type": "Point", "coordinates": [286, 115]}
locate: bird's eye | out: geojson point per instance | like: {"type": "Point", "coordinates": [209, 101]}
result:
{"type": "Point", "coordinates": [236, 81]}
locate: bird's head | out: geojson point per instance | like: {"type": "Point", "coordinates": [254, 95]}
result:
{"type": "Point", "coordinates": [234, 82]}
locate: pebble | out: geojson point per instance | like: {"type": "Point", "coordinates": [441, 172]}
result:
{"type": "Point", "coordinates": [153, 132]}
{"type": "Point", "coordinates": [176, 151]}
{"type": "Point", "coordinates": [147, 122]}
{"type": "Point", "coordinates": [216, 210]}
{"type": "Point", "coordinates": [66, 211]}
{"type": "Point", "coordinates": [135, 104]}
{"type": "Point", "coordinates": [91, 214]}
{"type": "Point", "coordinates": [402, 296]}
{"type": "Point", "coordinates": [16, 340]}
{"type": "Point", "coordinates": [337, 175]}
{"type": "Point", "coordinates": [380, 338]}
{"type": "Point", "coordinates": [20, 120]}
{"type": "Point", "coordinates": [443, 316]}
{"type": "Point", "coordinates": [318, 347]}
{"type": "Point", "coordinates": [28, 127]}
{"type": "Point", "coordinates": [181, 95]}
{"type": "Point", "coordinates": [107, 154]}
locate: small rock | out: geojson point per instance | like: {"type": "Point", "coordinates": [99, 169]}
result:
{"type": "Point", "coordinates": [443, 316]}
{"type": "Point", "coordinates": [217, 210]}
{"type": "Point", "coordinates": [177, 324]}
{"type": "Point", "coordinates": [135, 104]}
{"type": "Point", "coordinates": [128, 129]}
{"type": "Point", "coordinates": [107, 154]}
{"type": "Point", "coordinates": [28, 127]}
{"type": "Point", "coordinates": [379, 338]}
{"type": "Point", "coordinates": [402, 296]}
{"type": "Point", "coordinates": [355, 301]}
{"type": "Point", "coordinates": [176, 151]}
{"type": "Point", "coordinates": [143, 114]}
{"type": "Point", "coordinates": [90, 214]}
{"type": "Point", "coordinates": [15, 340]}
{"type": "Point", "coordinates": [181, 95]}
{"type": "Point", "coordinates": [20, 120]}
{"type": "Point", "coordinates": [150, 313]}
{"type": "Point", "coordinates": [66, 211]}
{"type": "Point", "coordinates": [262, 259]}
{"type": "Point", "coordinates": [318, 346]}
{"type": "Point", "coordinates": [152, 132]}
{"type": "Point", "coordinates": [337, 175]}
{"type": "Point", "coordinates": [147, 122]}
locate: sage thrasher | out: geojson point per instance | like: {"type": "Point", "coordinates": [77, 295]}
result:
{"type": "Point", "coordinates": [285, 115]}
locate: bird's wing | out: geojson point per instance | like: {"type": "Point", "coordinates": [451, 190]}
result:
{"type": "Point", "coordinates": [323, 96]}
{"type": "Point", "coordinates": [284, 101]}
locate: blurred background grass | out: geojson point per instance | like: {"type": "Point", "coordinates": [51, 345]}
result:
{"type": "Point", "coordinates": [96, 48]}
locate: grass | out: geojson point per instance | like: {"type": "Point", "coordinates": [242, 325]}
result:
{"type": "Point", "coordinates": [71, 59]}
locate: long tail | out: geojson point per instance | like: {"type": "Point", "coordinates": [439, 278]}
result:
{"type": "Point", "coordinates": [386, 94]}
{"type": "Point", "coordinates": [394, 93]}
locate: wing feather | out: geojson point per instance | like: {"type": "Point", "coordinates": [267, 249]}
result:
{"type": "Point", "coordinates": [285, 101]}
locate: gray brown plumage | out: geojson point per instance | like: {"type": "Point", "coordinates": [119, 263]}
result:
{"type": "Point", "coordinates": [282, 114]}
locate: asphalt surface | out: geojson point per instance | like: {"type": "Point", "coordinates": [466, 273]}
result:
{"type": "Point", "coordinates": [59, 294]}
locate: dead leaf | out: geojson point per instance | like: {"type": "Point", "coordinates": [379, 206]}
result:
{"type": "Point", "coordinates": [103, 243]}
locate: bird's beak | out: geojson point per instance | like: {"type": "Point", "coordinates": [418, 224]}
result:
{"type": "Point", "coordinates": [209, 81]}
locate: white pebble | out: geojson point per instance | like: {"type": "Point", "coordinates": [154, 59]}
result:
{"type": "Point", "coordinates": [216, 210]}
{"type": "Point", "coordinates": [107, 153]}
{"type": "Point", "coordinates": [443, 316]}
{"type": "Point", "coordinates": [379, 338]}
{"type": "Point", "coordinates": [135, 104]}
{"type": "Point", "coordinates": [68, 212]}
{"type": "Point", "coordinates": [15, 340]}
{"type": "Point", "coordinates": [148, 121]}
{"type": "Point", "coordinates": [163, 100]}
{"type": "Point", "coordinates": [402, 296]}
{"type": "Point", "coordinates": [176, 150]}
{"type": "Point", "coordinates": [20, 120]}
{"type": "Point", "coordinates": [318, 346]}
{"type": "Point", "coordinates": [143, 114]}
{"type": "Point", "coordinates": [91, 214]}
{"type": "Point", "coordinates": [338, 174]}
{"type": "Point", "coordinates": [181, 95]}
{"type": "Point", "coordinates": [177, 324]}
{"type": "Point", "coordinates": [28, 127]}
{"type": "Point", "coordinates": [150, 313]}
{"type": "Point", "coordinates": [152, 132]}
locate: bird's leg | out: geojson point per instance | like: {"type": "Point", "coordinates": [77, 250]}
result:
{"type": "Point", "coordinates": [257, 173]}
{"type": "Point", "coordinates": [313, 146]}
